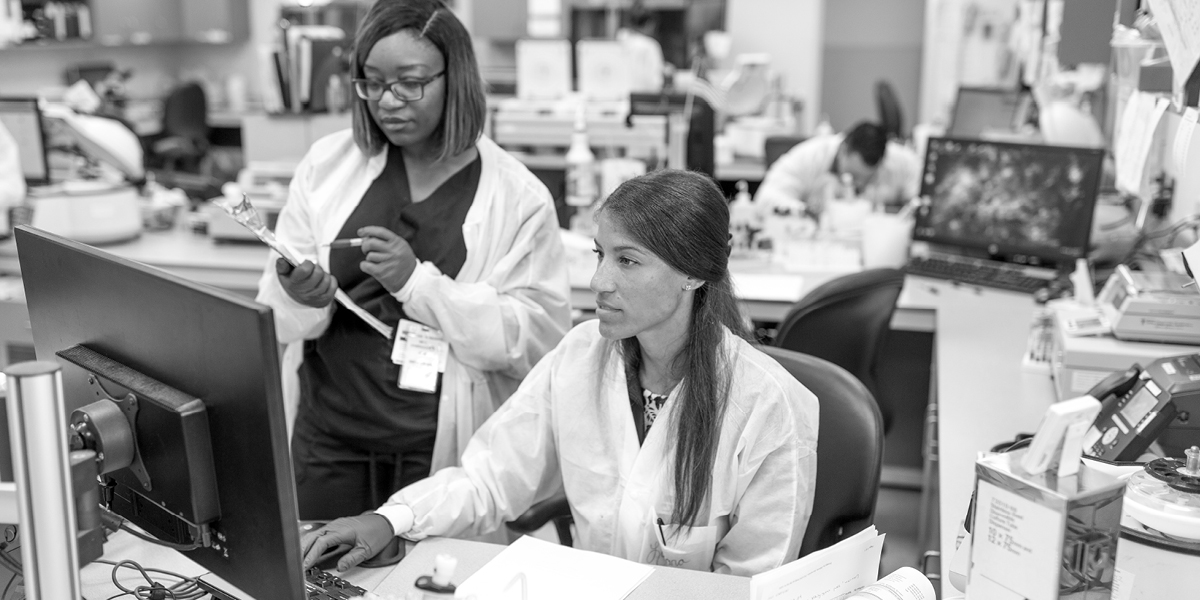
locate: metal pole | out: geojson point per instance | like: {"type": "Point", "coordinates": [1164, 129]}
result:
{"type": "Point", "coordinates": [41, 466]}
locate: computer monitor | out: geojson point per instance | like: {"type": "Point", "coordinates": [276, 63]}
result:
{"type": "Point", "coordinates": [196, 342]}
{"type": "Point", "coordinates": [980, 110]}
{"type": "Point", "coordinates": [23, 120]}
{"type": "Point", "coordinates": [1024, 203]}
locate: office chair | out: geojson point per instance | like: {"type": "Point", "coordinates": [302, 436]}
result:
{"type": "Point", "coordinates": [184, 141]}
{"type": "Point", "coordinates": [556, 510]}
{"type": "Point", "coordinates": [890, 115]}
{"type": "Point", "coordinates": [845, 321]}
{"type": "Point", "coordinates": [849, 449]}
{"type": "Point", "coordinates": [849, 457]}
{"type": "Point", "coordinates": [778, 145]}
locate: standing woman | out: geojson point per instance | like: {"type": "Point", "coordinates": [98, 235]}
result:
{"type": "Point", "coordinates": [676, 441]}
{"type": "Point", "coordinates": [456, 235]}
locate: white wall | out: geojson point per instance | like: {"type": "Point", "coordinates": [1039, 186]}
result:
{"type": "Point", "coordinates": [868, 41]}
{"type": "Point", "coordinates": [791, 31]}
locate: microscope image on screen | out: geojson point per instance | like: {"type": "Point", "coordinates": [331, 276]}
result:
{"type": "Point", "coordinates": [1026, 197]}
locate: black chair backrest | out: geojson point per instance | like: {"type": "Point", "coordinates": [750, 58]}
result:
{"type": "Point", "coordinates": [185, 113]}
{"type": "Point", "coordinates": [845, 321]}
{"type": "Point", "coordinates": [778, 145]}
{"type": "Point", "coordinates": [890, 115]}
{"type": "Point", "coordinates": [849, 449]}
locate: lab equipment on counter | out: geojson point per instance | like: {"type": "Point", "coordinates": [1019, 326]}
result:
{"type": "Point", "coordinates": [1158, 554]}
{"type": "Point", "coordinates": [1080, 362]}
{"type": "Point", "coordinates": [1042, 537]}
{"type": "Point", "coordinates": [744, 219]}
{"type": "Point", "coordinates": [92, 212]}
{"type": "Point", "coordinates": [1151, 306]}
{"type": "Point", "coordinates": [103, 209]}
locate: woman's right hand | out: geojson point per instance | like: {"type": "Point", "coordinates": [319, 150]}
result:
{"type": "Point", "coordinates": [367, 534]}
{"type": "Point", "coordinates": [307, 284]}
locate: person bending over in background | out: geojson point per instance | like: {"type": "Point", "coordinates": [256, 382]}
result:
{"type": "Point", "coordinates": [886, 173]}
{"type": "Point", "coordinates": [675, 440]}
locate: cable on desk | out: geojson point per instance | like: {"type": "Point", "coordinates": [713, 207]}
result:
{"type": "Point", "coordinates": [184, 589]}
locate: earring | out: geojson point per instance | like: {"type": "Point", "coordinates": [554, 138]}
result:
{"type": "Point", "coordinates": [687, 286]}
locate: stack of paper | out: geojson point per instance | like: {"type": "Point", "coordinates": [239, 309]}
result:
{"type": "Point", "coordinates": [834, 572]}
{"type": "Point", "coordinates": [549, 571]}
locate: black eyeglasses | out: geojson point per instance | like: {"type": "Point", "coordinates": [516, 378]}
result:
{"type": "Point", "coordinates": [408, 90]}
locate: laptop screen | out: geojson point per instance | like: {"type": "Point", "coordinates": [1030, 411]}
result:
{"type": "Point", "coordinates": [980, 110]}
{"type": "Point", "coordinates": [1023, 203]}
{"type": "Point", "coordinates": [23, 121]}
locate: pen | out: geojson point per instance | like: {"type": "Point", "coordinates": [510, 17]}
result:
{"type": "Point", "coordinates": [345, 243]}
{"type": "Point", "coordinates": [660, 531]}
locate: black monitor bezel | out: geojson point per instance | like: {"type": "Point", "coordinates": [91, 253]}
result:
{"type": "Point", "coordinates": [210, 343]}
{"type": "Point", "coordinates": [1014, 253]}
{"type": "Point", "coordinates": [45, 154]}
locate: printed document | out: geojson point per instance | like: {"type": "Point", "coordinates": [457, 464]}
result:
{"type": "Point", "coordinates": [829, 574]}
{"type": "Point", "coordinates": [548, 571]}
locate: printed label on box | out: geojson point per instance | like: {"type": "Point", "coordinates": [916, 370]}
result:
{"type": "Point", "coordinates": [1017, 544]}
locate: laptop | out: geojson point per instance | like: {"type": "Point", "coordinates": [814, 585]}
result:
{"type": "Point", "coordinates": [23, 120]}
{"type": "Point", "coordinates": [1003, 214]}
{"type": "Point", "coordinates": [979, 111]}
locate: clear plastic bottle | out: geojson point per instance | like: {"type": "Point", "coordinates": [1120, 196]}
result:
{"type": "Point", "coordinates": [583, 188]}
{"type": "Point", "coordinates": [742, 218]}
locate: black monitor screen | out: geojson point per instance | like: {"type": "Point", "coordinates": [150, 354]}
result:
{"type": "Point", "coordinates": [980, 110]}
{"type": "Point", "coordinates": [1025, 203]}
{"type": "Point", "coordinates": [210, 344]}
{"type": "Point", "coordinates": [23, 121]}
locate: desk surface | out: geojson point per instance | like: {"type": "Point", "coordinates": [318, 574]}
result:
{"type": "Point", "coordinates": [983, 395]}
{"type": "Point", "coordinates": [665, 583]}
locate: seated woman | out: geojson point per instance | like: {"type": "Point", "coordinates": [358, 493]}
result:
{"type": "Point", "coordinates": [676, 441]}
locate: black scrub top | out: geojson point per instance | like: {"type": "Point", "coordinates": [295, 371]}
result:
{"type": "Point", "coordinates": [348, 380]}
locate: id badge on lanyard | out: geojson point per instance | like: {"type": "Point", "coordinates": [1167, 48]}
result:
{"type": "Point", "coordinates": [421, 353]}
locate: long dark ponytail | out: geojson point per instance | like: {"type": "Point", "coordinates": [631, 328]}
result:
{"type": "Point", "coordinates": [683, 218]}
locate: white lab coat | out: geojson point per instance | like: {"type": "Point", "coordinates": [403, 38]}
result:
{"type": "Point", "coordinates": [508, 306]}
{"type": "Point", "coordinates": [570, 426]}
{"type": "Point", "coordinates": [803, 173]}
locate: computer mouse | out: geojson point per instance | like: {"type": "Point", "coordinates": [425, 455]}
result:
{"type": "Point", "coordinates": [391, 554]}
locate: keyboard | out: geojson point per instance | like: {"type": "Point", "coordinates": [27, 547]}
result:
{"type": "Point", "coordinates": [976, 273]}
{"type": "Point", "coordinates": [323, 585]}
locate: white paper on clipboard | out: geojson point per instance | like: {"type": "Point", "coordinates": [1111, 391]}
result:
{"type": "Point", "coordinates": [340, 296]}
{"type": "Point", "coordinates": [245, 214]}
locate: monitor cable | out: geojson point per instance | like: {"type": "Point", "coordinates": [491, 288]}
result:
{"type": "Point", "coordinates": [113, 522]}
{"type": "Point", "coordinates": [185, 588]}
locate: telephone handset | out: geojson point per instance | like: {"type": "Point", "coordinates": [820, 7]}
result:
{"type": "Point", "coordinates": [1134, 410]}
